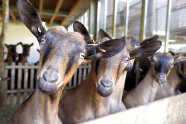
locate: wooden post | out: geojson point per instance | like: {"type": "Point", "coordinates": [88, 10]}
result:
{"type": "Point", "coordinates": [5, 6]}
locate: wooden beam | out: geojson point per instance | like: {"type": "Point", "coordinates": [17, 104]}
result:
{"type": "Point", "coordinates": [40, 7]}
{"type": "Point", "coordinates": [13, 17]}
{"type": "Point", "coordinates": [79, 5]}
{"type": "Point", "coordinates": [171, 110]}
{"type": "Point", "coordinates": [59, 3]}
{"type": "Point", "coordinates": [47, 12]}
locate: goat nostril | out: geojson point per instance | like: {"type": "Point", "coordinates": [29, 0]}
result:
{"type": "Point", "coordinates": [106, 83]}
{"type": "Point", "coordinates": [50, 76]}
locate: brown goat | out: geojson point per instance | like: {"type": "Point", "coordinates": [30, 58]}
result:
{"type": "Point", "coordinates": [173, 80]}
{"type": "Point", "coordinates": [145, 91]}
{"type": "Point", "coordinates": [61, 53]}
{"type": "Point", "coordinates": [12, 54]}
{"type": "Point", "coordinates": [26, 52]}
{"type": "Point", "coordinates": [101, 92]}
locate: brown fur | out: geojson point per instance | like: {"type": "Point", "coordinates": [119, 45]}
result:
{"type": "Point", "coordinates": [146, 90]}
{"type": "Point", "coordinates": [42, 108]}
{"type": "Point", "coordinates": [90, 104]}
{"type": "Point", "coordinates": [174, 80]}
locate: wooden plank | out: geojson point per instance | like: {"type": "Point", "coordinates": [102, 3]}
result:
{"type": "Point", "coordinates": [58, 5]}
{"type": "Point", "coordinates": [79, 76]}
{"type": "Point", "coordinates": [21, 67]}
{"type": "Point", "coordinates": [75, 79]}
{"type": "Point", "coordinates": [25, 80]}
{"type": "Point", "coordinates": [84, 71]}
{"type": "Point", "coordinates": [74, 10]}
{"type": "Point", "coordinates": [32, 79]}
{"type": "Point", "coordinates": [171, 110]}
{"type": "Point", "coordinates": [5, 87]}
{"type": "Point", "coordinates": [21, 91]}
{"type": "Point", "coordinates": [70, 83]}
{"type": "Point", "coordinates": [19, 84]}
{"type": "Point", "coordinates": [12, 85]}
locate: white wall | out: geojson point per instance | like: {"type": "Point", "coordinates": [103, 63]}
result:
{"type": "Point", "coordinates": [19, 32]}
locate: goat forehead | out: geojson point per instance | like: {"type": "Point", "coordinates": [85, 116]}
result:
{"type": "Point", "coordinates": [13, 47]}
{"type": "Point", "coordinates": [164, 60]}
{"type": "Point", "coordinates": [60, 46]}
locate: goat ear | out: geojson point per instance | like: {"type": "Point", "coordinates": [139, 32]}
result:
{"type": "Point", "coordinates": [105, 49]}
{"type": "Point", "coordinates": [31, 44]}
{"type": "Point", "coordinates": [20, 43]}
{"type": "Point", "coordinates": [38, 50]}
{"type": "Point", "coordinates": [146, 50]}
{"type": "Point", "coordinates": [179, 58]}
{"type": "Point", "coordinates": [79, 27]}
{"type": "Point", "coordinates": [6, 45]}
{"type": "Point", "coordinates": [103, 34]}
{"type": "Point", "coordinates": [149, 40]}
{"type": "Point", "coordinates": [30, 18]}
{"type": "Point", "coordinates": [172, 53]}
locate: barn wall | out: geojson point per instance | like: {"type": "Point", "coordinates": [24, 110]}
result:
{"type": "Point", "coordinates": [19, 32]}
{"type": "Point", "coordinates": [171, 110]}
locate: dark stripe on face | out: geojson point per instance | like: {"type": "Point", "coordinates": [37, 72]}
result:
{"type": "Point", "coordinates": [47, 48]}
{"type": "Point", "coordinates": [119, 67]}
{"type": "Point", "coordinates": [162, 65]}
{"type": "Point", "coordinates": [72, 58]}
{"type": "Point", "coordinates": [46, 53]}
{"type": "Point", "coordinates": [70, 63]}
{"type": "Point", "coordinates": [97, 65]}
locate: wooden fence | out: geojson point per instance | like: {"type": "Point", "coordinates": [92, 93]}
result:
{"type": "Point", "coordinates": [23, 81]}
{"type": "Point", "coordinates": [171, 110]}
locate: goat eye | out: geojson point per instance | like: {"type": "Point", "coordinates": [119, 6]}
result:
{"type": "Point", "coordinates": [42, 40]}
{"type": "Point", "coordinates": [82, 55]}
{"type": "Point", "coordinates": [127, 59]}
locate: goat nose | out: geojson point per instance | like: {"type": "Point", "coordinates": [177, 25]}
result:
{"type": "Point", "coordinates": [50, 76]}
{"type": "Point", "coordinates": [106, 83]}
{"type": "Point", "coordinates": [162, 75]}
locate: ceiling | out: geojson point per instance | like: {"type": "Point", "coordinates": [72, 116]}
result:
{"type": "Point", "coordinates": [53, 11]}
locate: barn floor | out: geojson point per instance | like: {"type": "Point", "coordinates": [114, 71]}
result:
{"type": "Point", "coordinates": [6, 114]}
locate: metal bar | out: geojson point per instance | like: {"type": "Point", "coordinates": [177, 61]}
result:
{"type": "Point", "coordinates": [143, 20]}
{"type": "Point", "coordinates": [167, 30]}
{"type": "Point", "coordinates": [127, 18]}
{"type": "Point", "coordinates": [93, 17]}
{"type": "Point", "coordinates": [142, 30]}
{"type": "Point", "coordinates": [114, 18]}
{"type": "Point", "coordinates": [105, 16]}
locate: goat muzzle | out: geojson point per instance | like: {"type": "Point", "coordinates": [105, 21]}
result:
{"type": "Point", "coordinates": [105, 88]}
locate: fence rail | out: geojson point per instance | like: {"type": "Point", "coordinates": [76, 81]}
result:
{"type": "Point", "coordinates": [170, 110]}
{"type": "Point", "coordinates": [23, 79]}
